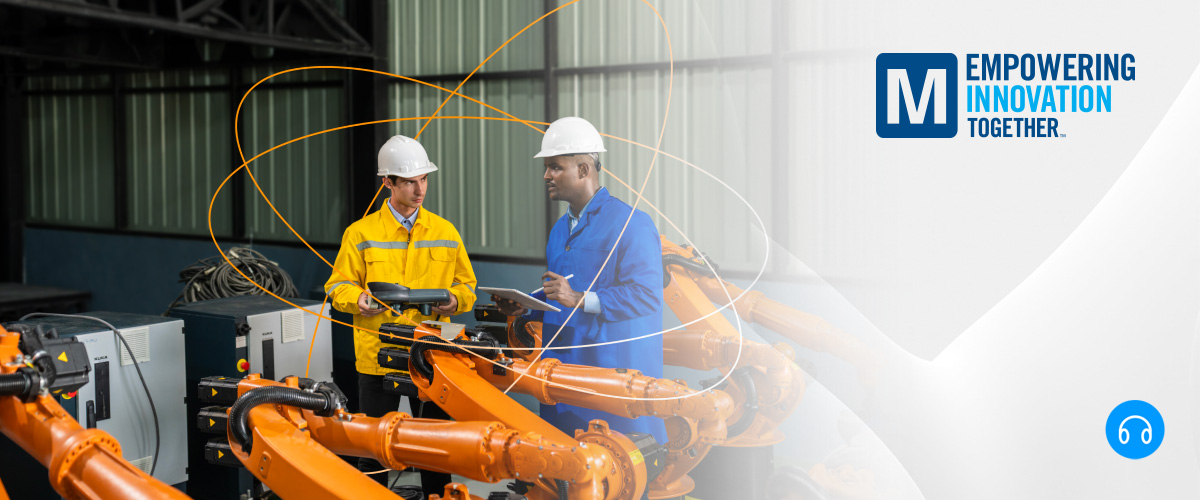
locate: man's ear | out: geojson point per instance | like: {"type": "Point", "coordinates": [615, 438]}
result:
{"type": "Point", "coordinates": [583, 169]}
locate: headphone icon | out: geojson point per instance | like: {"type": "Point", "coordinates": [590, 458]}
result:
{"type": "Point", "coordinates": [1123, 435]}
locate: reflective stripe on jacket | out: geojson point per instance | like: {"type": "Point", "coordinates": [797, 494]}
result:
{"type": "Point", "coordinates": [378, 248]}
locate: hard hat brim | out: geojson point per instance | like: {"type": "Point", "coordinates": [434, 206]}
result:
{"type": "Point", "coordinates": [415, 173]}
{"type": "Point", "coordinates": [543, 154]}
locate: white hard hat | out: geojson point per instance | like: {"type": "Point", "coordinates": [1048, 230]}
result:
{"type": "Point", "coordinates": [404, 157]}
{"type": "Point", "coordinates": [570, 136]}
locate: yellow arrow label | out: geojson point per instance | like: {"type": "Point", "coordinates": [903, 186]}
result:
{"type": "Point", "coordinates": [63, 357]}
{"type": "Point", "coordinates": [656, 462]}
{"type": "Point", "coordinates": [395, 385]}
{"type": "Point", "coordinates": [220, 454]}
{"type": "Point", "coordinates": [214, 392]}
{"type": "Point", "coordinates": [389, 359]}
{"type": "Point", "coordinates": [211, 423]}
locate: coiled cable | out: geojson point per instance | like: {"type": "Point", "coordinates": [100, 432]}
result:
{"type": "Point", "coordinates": [215, 278]}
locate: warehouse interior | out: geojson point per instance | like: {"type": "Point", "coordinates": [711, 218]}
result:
{"type": "Point", "coordinates": [127, 125]}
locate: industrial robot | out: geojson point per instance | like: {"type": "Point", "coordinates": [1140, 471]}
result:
{"type": "Point", "coordinates": [289, 434]}
{"type": "Point", "coordinates": [35, 366]}
{"type": "Point", "coordinates": [763, 380]}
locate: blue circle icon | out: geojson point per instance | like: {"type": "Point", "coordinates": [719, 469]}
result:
{"type": "Point", "coordinates": [1134, 429]}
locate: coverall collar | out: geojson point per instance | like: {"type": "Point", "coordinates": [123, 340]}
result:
{"type": "Point", "coordinates": [590, 208]}
{"type": "Point", "coordinates": [388, 216]}
{"type": "Point", "coordinates": [592, 204]}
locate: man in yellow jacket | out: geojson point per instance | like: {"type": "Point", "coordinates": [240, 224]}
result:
{"type": "Point", "coordinates": [409, 245]}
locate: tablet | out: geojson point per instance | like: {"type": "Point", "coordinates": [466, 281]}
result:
{"type": "Point", "coordinates": [519, 297]}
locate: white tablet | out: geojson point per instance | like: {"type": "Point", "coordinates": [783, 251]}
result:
{"type": "Point", "coordinates": [519, 297]}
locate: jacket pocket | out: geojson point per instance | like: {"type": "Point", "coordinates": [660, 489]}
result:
{"type": "Point", "coordinates": [442, 254]}
{"type": "Point", "coordinates": [435, 265]}
{"type": "Point", "coordinates": [379, 266]}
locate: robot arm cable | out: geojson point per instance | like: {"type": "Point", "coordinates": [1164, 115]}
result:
{"type": "Point", "coordinates": [146, 388]}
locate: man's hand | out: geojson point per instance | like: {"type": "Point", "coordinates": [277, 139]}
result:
{"type": "Point", "coordinates": [448, 308]}
{"type": "Point", "coordinates": [364, 309]}
{"type": "Point", "coordinates": [508, 307]}
{"type": "Point", "coordinates": [557, 288]}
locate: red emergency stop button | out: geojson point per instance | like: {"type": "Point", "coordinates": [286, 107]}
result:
{"type": "Point", "coordinates": [243, 365]}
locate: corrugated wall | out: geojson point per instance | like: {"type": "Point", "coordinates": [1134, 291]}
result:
{"type": "Point", "coordinates": [454, 36]}
{"type": "Point", "coordinates": [177, 149]}
{"type": "Point", "coordinates": [627, 31]}
{"type": "Point", "coordinates": [716, 121]}
{"type": "Point", "coordinates": [304, 180]}
{"type": "Point", "coordinates": [488, 183]}
{"type": "Point", "coordinates": [68, 155]}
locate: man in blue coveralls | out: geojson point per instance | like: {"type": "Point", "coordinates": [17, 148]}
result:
{"type": "Point", "coordinates": [626, 300]}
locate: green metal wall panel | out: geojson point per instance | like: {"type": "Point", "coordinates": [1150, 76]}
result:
{"type": "Point", "coordinates": [488, 183]}
{"type": "Point", "coordinates": [454, 36]}
{"type": "Point", "coordinates": [68, 82]}
{"type": "Point", "coordinates": [252, 75]}
{"type": "Point", "coordinates": [717, 121]}
{"type": "Point", "coordinates": [176, 78]}
{"type": "Point", "coordinates": [177, 149]}
{"type": "Point", "coordinates": [627, 31]}
{"type": "Point", "coordinates": [69, 160]}
{"type": "Point", "coordinates": [304, 180]}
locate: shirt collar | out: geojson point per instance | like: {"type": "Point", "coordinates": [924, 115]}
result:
{"type": "Point", "coordinates": [412, 220]}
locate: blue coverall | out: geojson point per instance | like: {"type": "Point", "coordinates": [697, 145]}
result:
{"type": "Point", "coordinates": [631, 301]}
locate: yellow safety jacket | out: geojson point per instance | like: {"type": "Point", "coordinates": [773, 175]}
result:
{"type": "Point", "coordinates": [378, 248]}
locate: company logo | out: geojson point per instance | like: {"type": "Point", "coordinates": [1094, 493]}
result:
{"type": "Point", "coordinates": [916, 95]}
{"type": "Point", "coordinates": [1134, 429]}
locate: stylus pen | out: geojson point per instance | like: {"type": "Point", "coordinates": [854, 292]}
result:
{"type": "Point", "coordinates": [543, 288]}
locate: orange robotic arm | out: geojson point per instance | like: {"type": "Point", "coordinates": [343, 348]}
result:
{"type": "Point", "coordinates": [83, 463]}
{"type": "Point", "coordinates": [694, 288]}
{"type": "Point", "coordinates": [448, 375]}
{"type": "Point", "coordinates": [695, 420]}
{"type": "Point", "coordinates": [285, 453]}
{"type": "Point", "coordinates": [767, 371]}
{"type": "Point", "coordinates": [762, 378]}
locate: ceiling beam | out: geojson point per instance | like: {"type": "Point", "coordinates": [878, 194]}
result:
{"type": "Point", "coordinates": [141, 20]}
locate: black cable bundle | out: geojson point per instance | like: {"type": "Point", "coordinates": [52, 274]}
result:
{"type": "Point", "coordinates": [214, 278]}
